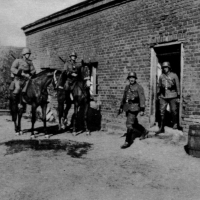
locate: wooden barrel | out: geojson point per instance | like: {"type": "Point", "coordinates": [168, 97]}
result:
{"type": "Point", "coordinates": [194, 140]}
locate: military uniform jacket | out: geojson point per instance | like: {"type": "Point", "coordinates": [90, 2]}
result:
{"type": "Point", "coordinates": [133, 98]}
{"type": "Point", "coordinates": [168, 86]}
{"type": "Point", "coordinates": [20, 65]}
{"type": "Point", "coordinates": [71, 67]}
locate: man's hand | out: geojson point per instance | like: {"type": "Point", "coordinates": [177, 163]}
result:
{"type": "Point", "coordinates": [141, 113]}
{"type": "Point", "coordinates": [120, 111]}
{"type": "Point", "coordinates": [74, 74]}
{"type": "Point", "coordinates": [88, 83]}
{"type": "Point", "coordinates": [25, 75]}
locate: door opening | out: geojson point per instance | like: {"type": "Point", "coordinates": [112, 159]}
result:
{"type": "Point", "coordinates": [173, 54]}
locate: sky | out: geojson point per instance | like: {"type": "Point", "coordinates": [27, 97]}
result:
{"type": "Point", "coordinates": [14, 14]}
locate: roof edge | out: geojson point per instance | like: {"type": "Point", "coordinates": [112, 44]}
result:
{"type": "Point", "coordinates": [71, 13]}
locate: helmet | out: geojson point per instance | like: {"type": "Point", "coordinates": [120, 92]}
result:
{"type": "Point", "coordinates": [132, 74]}
{"type": "Point", "coordinates": [26, 51]}
{"type": "Point", "coordinates": [73, 54]}
{"type": "Point", "coordinates": [166, 64]}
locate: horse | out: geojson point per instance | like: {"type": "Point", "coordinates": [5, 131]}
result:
{"type": "Point", "coordinates": [63, 98]}
{"type": "Point", "coordinates": [36, 95]}
{"type": "Point", "coordinates": [81, 97]}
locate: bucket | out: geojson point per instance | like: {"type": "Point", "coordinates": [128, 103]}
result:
{"type": "Point", "coordinates": [194, 140]}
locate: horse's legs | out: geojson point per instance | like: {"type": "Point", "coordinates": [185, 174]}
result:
{"type": "Point", "coordinates": [14, 111]}
{"type": "Point", "coordinates": [68, 106]}
{"type": "Point", "coordinates": [34, 107]}
{"type": "Point", "coordinates": [20, 113]}
{"type": "Point", "coordinates": [75, 117]}
{"type": "Point", "coordinates": [14, 118]}
{"type": "Point", "coordinates": [86, 107]}
{"type": "Point", "coordinates": [60, 114]}
{"type": "Point", "coordinates": [44, 110]}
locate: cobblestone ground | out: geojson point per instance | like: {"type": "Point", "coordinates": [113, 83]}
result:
{"type": "Point", "coordinates": [94, 168]}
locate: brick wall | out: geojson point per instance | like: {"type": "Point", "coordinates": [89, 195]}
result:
{"type": "Point", "coordinates": [119, 38]}
{"type": "Point", "coordinates": [5, 79]}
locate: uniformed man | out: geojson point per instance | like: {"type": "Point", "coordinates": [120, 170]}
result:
{"type": "Point", "coordinates": [132, 103]}
{"type": "Point", "coordinates": [70, 73]}
{"type": "Point", "coordinates": [168, 93]}
{"type": "Point", "coordinates": [22, 69]}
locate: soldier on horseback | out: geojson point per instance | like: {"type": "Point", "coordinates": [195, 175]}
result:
{"type": "Point", "coordinates": [22, 69]}
{"type": "Point", "coordinates": [70, 73]}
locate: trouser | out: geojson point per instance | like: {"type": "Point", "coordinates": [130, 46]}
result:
{"type": "Point", "coordinates": [173, 107]}
{"type": "Point", "coordinates": [134, 129]}
{"type": "Point", "coordinates": [18, 84]}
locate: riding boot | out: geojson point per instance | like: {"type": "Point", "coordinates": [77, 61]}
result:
{"type": "Point", "coordinates": [129, 139]}
{"type": "Point", "coordinates": [161, 128]}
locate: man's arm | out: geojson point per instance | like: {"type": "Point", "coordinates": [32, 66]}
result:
{"type": "Point", "coordinates": [159, 86]}
{"type": "Point", "coordinates": [141, 97]}
{"type": "Point", "coordinates": [32, 69]}
{"type": "Point", "coordinates": [124, 97]}
{"type": "Point", "coordinates": [122, 101]}
{"type": "Point", "coordinates": [14, 68]}
{"type": "Point", "coordinates": [177, 84]}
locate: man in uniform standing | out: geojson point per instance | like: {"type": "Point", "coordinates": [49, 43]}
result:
{"type": "Point", "coordinates": [168, 93]}
{"type": "Point", "coordinates": [132, 103]}
{"type": "Point", "coordinates": [22, 69]}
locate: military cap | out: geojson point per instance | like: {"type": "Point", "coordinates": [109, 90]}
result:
{"type": "Point", "coordinates": [166, 64]}
{"type": "Point", "coordinates": [26, 50]}
{"type": "Point", "coordinates": [132, 74]}
{"type": "Point", "coordinates": [73, 54]}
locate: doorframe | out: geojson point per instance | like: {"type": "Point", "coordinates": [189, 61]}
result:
{"type": "Point", "coordinates": [153, 81]}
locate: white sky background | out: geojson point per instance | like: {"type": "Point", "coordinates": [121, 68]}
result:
{"type": "Point", "coordinates": [14, 14]}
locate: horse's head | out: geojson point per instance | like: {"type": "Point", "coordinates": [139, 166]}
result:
{"type": "Point", "coordinates": [84, 71]}
{"type": "Point", "coordinates": [56, 76]}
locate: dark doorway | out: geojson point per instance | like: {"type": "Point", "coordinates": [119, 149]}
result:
{"type": "Point", "coordinates": [172, 54]}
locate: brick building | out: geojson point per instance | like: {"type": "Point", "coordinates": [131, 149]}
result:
{"type": "Point", "coordinates": [125, 35]}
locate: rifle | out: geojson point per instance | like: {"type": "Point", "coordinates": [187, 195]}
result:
{"type": "Point", "coordinates": [13, 56]}
{"type": "Point", "coordinates": [61, 59]}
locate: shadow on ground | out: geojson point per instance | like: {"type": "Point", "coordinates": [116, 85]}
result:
{"type": "Point", "coordinates": [93, 119]}
{"type": "Point", "coordinates": [51, 130]}
{"type": "Point", "coordinates": [72, 148]}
